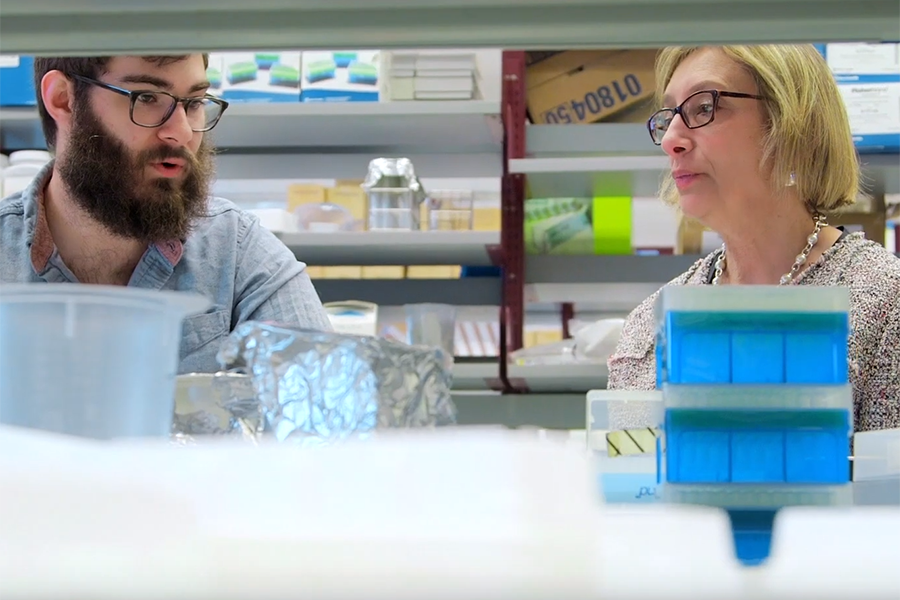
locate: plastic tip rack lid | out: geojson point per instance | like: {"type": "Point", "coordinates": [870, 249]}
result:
{"type": "Point", "coordinates": [757, 298]}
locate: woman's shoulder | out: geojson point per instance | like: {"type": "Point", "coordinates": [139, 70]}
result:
{"type": "Point", "coordinates": [870, 271]}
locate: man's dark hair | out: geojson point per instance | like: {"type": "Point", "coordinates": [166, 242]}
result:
{"type": "Point", "coordinates": [85, 66]}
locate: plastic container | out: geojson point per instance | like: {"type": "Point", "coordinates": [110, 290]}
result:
{"type": "Point", "coordinates": [876, 467]}
{"type": "Point", "coordinates": [323, 218]}
{"type": "Point", "coordinates": [432, 325]}
{"type": "Point", "coordinates": [450, 210]}
{"type": "Point", "coordinates": [393, 208]}
{"type": "Point", "coordinates": [627, 473]}
{"type": "Point", "coordinates": [91, 361]}
{"type": "Point", "coordinates": [353, 317]}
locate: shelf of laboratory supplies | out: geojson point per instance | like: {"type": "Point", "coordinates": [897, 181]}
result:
{"type": "Point", "coordinates": [476, 375]}
{"type": "Point", "coordinates": [546, 141]}
{"type": "Point", "coordinates": [558, 378]}
{"type": "Point", "coordinates": [477, 291]}
{"type": "Point", "coordinates": [470, 248]}
{"type": "Point", "coordinates": [119, 26]}
{"type": "Point", "coordinates": [607, 269]}
{"type": "Point", "coordinates": [601, 297]}
{"type": "Point", "coordinates": [590, 164]}
{"type": "Point", "coordinates": [362, 127]}
{"type": "Point", "coordinates": [366, 128]}
{"type": "Point", "coordinates": [544, 379]}
{"type": "Point", "coordinates": [636, 175]}
{"type": "Point", "coordinates": [352, 163]}
{"type": "Point", "coordinates": [547, 411]}
{"type": "Point", "coordinates": [606, 283]}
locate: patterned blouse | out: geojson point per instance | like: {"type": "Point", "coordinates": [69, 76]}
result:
{"type": "Point", "coordinates": [873, 276]}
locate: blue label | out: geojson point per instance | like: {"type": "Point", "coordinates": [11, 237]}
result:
{"type": "Point", "coordinates": [629, 488]}
{"type": "Point", "coordinates": [875, 143]}
{"type": "Point", "coordinates": [594, 104]}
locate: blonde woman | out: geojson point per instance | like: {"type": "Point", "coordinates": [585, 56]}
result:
{"type": "Point", "coordinates": [760, 150]}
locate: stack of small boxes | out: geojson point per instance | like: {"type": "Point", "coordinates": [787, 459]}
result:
{"type": "Point", "coordinates": [758, 408]}
{"type": "Point", "coordinates": [432, 75]}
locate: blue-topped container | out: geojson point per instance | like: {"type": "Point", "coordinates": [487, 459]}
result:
{"type": "Point", "coordinates": [758, 335]}
{"type": "Point", "coordinates": [757, 404]}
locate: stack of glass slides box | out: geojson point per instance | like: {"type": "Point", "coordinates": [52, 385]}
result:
{"type": "Point", "coordinates": [757, 404]}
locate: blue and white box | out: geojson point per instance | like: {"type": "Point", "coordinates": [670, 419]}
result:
{"type": "Point", "coordinates": [868, 76]}
{"type": "Point", "coordinates": [17, 81]}
{"type": "Point", "coordinates": [255, 76]}
{"type": "Point", "coordinates": [341, 76]}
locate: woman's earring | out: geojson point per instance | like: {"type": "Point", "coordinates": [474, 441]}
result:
{"type": "Point", "coordinates": [792, 180]}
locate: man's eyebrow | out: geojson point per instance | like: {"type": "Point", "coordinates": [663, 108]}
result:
{"type": "Point", "coordinates": [199, 87]}
{"type": "Point", "coordinates": [147, 80]}
{"type": "Point", "coordinates": [161, 83]}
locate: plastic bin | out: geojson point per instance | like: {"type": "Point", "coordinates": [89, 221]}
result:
{"type": "Point", "coordinates": [628, 475]}
{"type": "Point", "coordinates": [91, 361]}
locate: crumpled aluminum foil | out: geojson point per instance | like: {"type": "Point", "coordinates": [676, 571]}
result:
{"type": "Point", "coordinates": [320, 386]}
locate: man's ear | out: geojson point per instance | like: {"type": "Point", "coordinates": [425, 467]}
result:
{"type": "Point", "coordinates": [58, 95]}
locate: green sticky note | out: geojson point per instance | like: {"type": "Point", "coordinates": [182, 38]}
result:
{"type": "Point", "coordinates": [612, 224]}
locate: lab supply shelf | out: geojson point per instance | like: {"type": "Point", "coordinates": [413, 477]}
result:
{"type": "Point", "coordinates": [368, 128]}
{"type": "Point", "coordinates": [547, 411]}
{"type": "Point", "coordinates": [543, 378]}
{"type": "Point", "coordinates": [349, 163]}
{"type": "Point", "coordinates": [471, 248]}
{"type": "Point", "coordinates": [141, 26]}
{"type": "Point", "coordinates": [599, 138]}
{"type": "Point", "coordinates": [589, 164]}
{"type": "Point", "coordinates": [374, 127]}
{"type": "Point", "coordinates": [607, 283]}
{"type": "Point", "coordinates": [481, 291]}
{"type": "Point", "coordinates": [606, 269]}
{"type": "Point", "coordinates": [558, 378]}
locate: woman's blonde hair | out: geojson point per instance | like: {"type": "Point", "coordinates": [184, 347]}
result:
{"type": "Point", "coordinates": [808, 133]}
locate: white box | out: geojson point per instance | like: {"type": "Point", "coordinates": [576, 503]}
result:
{"type": "Point", "coordinates": [257, 77]}
{"type": "Point", "coordinates": [341, 76]}
{"type": "Point", "coordinates": [863, 59]}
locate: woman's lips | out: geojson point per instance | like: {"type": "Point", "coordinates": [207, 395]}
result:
{"type": "Point", "coordinates": [684, 179]}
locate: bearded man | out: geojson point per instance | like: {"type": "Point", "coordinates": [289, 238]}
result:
{"type": "Point", "coordinates": [126, 201]}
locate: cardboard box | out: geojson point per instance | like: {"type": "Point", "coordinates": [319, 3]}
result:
{"type": "Point", "coordinates": [384, 272]}
{"type": "Point", "coordinates": [354, 199]}
{"type": "Point", "coordinates": [347, 272]}
{"type": "Point", "coordinates": [341, 76]}
{"type": "Point", "coordinates": [17, 81]}
{"type": "Point", "coordinates": [300, 194]}
{"type": "Point", "coordinates": [256, 77]}
{"type": "Point", "coordinates": [588, 86]}
{"type": "Point", "coordinates": [433, 272]}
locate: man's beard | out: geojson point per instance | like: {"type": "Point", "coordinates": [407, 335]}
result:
{"type": "Point", "coordinates": [109, 183]}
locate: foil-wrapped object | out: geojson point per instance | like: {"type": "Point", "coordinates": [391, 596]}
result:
{"type": "Point", "coordinates": [208, 404]}
{"type": "Point", "coordinates": [320, 386]}
{"type": "Point", "coordinates": [395, 194]}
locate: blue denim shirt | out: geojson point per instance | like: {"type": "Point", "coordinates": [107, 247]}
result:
{"type": "Point", "coordinates": [241, 267]}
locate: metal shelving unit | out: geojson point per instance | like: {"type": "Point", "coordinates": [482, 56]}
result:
{"type": "Point", "coordinates": [258, 147]}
